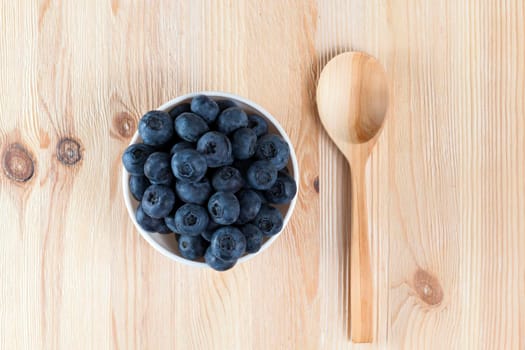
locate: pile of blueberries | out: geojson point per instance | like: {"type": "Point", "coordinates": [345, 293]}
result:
{"type": "Point", "coordinates": [210, 173]}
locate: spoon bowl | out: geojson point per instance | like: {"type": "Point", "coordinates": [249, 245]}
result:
{"type": "Point", "coordinates": [352, 99]}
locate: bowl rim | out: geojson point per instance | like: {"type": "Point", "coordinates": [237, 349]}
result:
{"type": "Point", "coordinates": [267, 115]}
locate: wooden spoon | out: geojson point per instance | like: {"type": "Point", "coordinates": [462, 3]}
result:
{"type": "Point", "coordinates": [352, 98]}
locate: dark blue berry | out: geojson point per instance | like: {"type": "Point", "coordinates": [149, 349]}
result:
{"type": "Point", "coordinates": [135, 156]}
{"type": "Point", "coordinates": [191, 219]}
{"type": "Point", "coordinates": [158, 168]}
{"type": "Point", "coordinates": [231, 119]}
{"type": "Point", "coordinates": [254, 238]}
{"type": "Point", "coordinates": [243, 143]}
{"type": "Point", "coordinates": [258, 124]}
{"type": "Point", "coordinates": [269, 220]}
{"type": "Point", "coordinates": [158, 201]}
{"type": "Point", "coordinates": [179, 146]}
{"type": "Point", "coordinates": [205, 107]}
{"type": "Point", "coordinates": [223, 208]}
{"type": "Point", "coordinates": [137, 186]}
{"type": "Point", "coordinates": [188, 165]}
{"type": "Point", "coordinates": [212, 227]}
{"type": "Point", "coordinates": [169, 221]}
{"type": "Point", "coordinates": [282, 191]}
{"type": "Point", "coordinates": [274, 149]}
{"type": "Point", "coordinates": [150, 224]}
{"type": "Point", "coordinates": [261, 175]}
{"type": "Point", "coordinates": [179, 109]}
{"type": "Point", "coordinates": [217, 263]}
{"type": "Point", "coordinates": [192, 247]}
{"type": "Point", "coordinates": [190, 127]}
{"type": "Point", "coordinates": [156, 128]}
{"type": "Point", "coordinates": [194, 192]}
{"type": "Point", "coordinates": [216, 148]}
{"type": "Point", "coordinates": [250, 204]}
{"type": "Point", "coordinates": [227, 179]}
{"type": "Point", "coordinates": [225, 104]}
{"type": "Point", "coordinates": [228, 243]}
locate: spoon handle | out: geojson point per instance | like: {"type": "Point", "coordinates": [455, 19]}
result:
{"type": "Point", "coordinates": [361, 292]}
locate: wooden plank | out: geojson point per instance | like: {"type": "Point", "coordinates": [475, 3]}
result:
{"type": "Point", "coordinates": [20, 172]}
{"type": "Point", "coordinates": [446, 194]}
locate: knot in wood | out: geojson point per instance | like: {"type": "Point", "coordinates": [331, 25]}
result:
{"type": "Point", "coordinates": [18, 163]}
{"type": "Point", "coordinates": [316, 184]}
{"type": "Point", "coordinates": [68, 151]}
{"type": "Point", "coordinates": [124, 124]}
{"type": "Point", "coordinates": [428, 288]}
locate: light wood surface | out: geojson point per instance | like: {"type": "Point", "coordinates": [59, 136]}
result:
{"type": "Point", "coordinates": [352, 102]}
{"type": "Point", "coordinates": [445, 182]}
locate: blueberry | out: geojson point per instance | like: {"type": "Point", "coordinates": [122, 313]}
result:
{"type": "Point", "coordinates": [190, 126]}
{"type": "Point", "coordinates": [192, 247]}
{"type": "Point", "coordinates": [191, 219]}
{"type": "Point", "coordinates": [158, 201]}
{"type": "Point", "coordinates": [194, 192]}
{"type": "Point", "coordinates": [179, 109]}
{"type": "Point", "coordinates": [169, 221]}
{"type": "Point", "coordinates": [212, 227]}
{"type": "Point", "coordinates": [188, 165]}
{"type": "Point", "coordinates": [216, 148]}
{"type": "Point", "coordinates": [250, 204]}
{"type": "Point", "coordinates": [261, 175]}
{"type": "Point", "coordinates": [205, 107]}
{"type": "Point", "coordinates": [156, 128]}
{"type": "Point", "coordinates": [135, 156]}
{"type": "Point", "coordinates": [150, 224]}
{"type": "Point", "coordinates": [227, 179]}
{"type": "Point", "coordinates": [282, 191]}
{"type": "Point", "coordinates": [137, 186]}
{"type": "Point", "coordinates": [231, 119]}
{"type": "Point", "coordinates": [223, 208]}
{"type": "Point", "coordinates": [269, 220]}
{"type": "Point", "coordinates": [216, 263]}
{"type": "Point", "coordinates": [228, 243]}
{"type": "Point", "coordinates": [158, 169]}
{"type": "Point", "coordinates": [243, 143]}
{"type": "Point", "coordinates": [273, 148]}
{"type": "Point", "coordinates": [180, 146]}
{"type": "Point", "coordinates": [254, 238]}
{"type": "Point", "coordinates": [258, 124]}
{"type": "Point", "coordinates": [225, 104]}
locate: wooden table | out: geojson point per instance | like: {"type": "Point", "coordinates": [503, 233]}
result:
{"type": "Point", "coordinates": [446, 183]}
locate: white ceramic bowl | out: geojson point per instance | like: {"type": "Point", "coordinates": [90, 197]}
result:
{"type": "Point", "coordinates": [166, 243]}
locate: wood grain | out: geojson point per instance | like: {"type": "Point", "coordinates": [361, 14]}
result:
{"type": "Point", "coordinates": [445, 187]}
